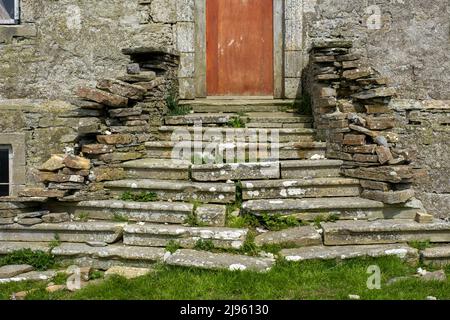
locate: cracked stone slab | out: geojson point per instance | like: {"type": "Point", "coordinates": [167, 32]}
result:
{"type": "Point", "coordinates": [156, 212]}
{"type": "Point", "coordinates": [10, 271]}
{"type": "Point", "coordinates": [178, 190]}
{"type": "Point", "coordinates": [211, 215]}
{"type": "Point", "coordinates": [437, 255]}
{"type": "Point", "coordinates": [127, 272]}
{"type": "Point", "coordinates": [348, 252]}
{"type": "Point", "coordinates": [204, 118]}
{"type": "Point", "coordinates": [153, 235]}
{"type": "Point", "coordinates": [105, 257]}
{"type": "Point", "coordinates": [300, 188]}
{"type": "Point", "coordinates": [31, 276]}
{"type": "Point", "coordinates": [209, 260]}
{"type": "Point", "coordinates": [66, 232]}
{"type": "Point", "coordinates": [236, 171]}
{"type": "Point", "coordinates": [300, 236]}
{"type": "Point", "coordinates": [384, 231]}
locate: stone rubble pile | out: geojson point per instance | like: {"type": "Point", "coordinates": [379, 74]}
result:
{"type": "Point", "coordinates": [350, 105]}
{"type": "Point", "coordinates": [130, 111]}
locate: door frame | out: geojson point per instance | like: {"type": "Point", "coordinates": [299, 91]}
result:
{"type": "Point", "coordinates": [200, 48]}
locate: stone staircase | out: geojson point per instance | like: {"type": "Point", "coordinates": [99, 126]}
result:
{"type": "Point", "coordinates": [190, 199]}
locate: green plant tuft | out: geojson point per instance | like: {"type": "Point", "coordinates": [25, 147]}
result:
{"type": "Point", "coordinates": [236, 123]}
{"type": "Point", "coordinates": [39, 259]}
{"type": "Point", "coordinates": [420, 245]}
{"type": "Point", "coordinates": [172, 246]}
{"type": "Point", "coordinates": [139, 197]}
{"type": "Point", "coordinates": [204, 245]}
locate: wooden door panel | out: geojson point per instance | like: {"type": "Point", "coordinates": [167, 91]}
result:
{"type": "Point", "coordinates": [239, 53]}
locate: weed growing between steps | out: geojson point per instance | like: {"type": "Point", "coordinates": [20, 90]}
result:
{"type": "Point", "coordinates": [40, 260]}
{"type": "Point", "coordinates": [139, 197]}
{"type": "Point", "coordinates": [420, 245]}
{"type": "Point", "coordinates": [236, 123]}
{"type": "Point", "coordinates": [330, 218]}
{"type": "Point", "coordinates": [174, 108]}
{"type": "Point", "coordinates": [286, 281]}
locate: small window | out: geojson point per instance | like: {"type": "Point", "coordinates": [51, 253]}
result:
{"type": "Point", "coordinates": [9, 12]}
{"type": "Point", "coordinates": [5, 169]}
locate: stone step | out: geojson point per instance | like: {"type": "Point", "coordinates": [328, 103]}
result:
{"type": "Point", "coordinates": [251, 135]}
{"type": "Point", "coordinates": [154, 235]}
{"type": "Point", "coordinates": [106, 257]}
{"type": "Point", "coordinates": [310, 169]}
{"type": "Point", "coordinates": [300, 188]}
{"type": "Point", "coordinates": [349, 252]}
{"type": "Point", "coordinates": [299, 237]}
{"type": "Point", "coordinates": [384, 231]}
{"type": "Point", "coordinates": [175, 190]}
{"type": "Point", "coordinates": [7, 247]}
{"type": "Point", "coordinates": [238, 105]}
{"type": "Point", "coordinates": [209, 260]}
{"type": "Point", "coordinates": [65, 232]}
{"type": "Point", "coordinates": [439, 256]}
{"type": "Point", "coordinates": [252, 119]}
{"type": "Point", "coordinates": [155, 212]}
{"type": "Point", "coordinates": [167, 169]}
{"type": "Point", "coordinates": [187, 150]}
{"type": "Point", "coordinates": [236, 171]}
{"type": "Point", "coordinates": [311, 208]}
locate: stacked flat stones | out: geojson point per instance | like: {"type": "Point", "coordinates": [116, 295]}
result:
{"type": "Point", "coordinates": [350, 104]}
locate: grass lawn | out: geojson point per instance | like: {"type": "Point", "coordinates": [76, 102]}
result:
{"type": "Point", "coordinates": [306, 280]}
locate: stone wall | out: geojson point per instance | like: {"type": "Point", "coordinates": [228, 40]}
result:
{"type": "Point", "coordinates": [63, 44]}
{"type": "Point", "coordinates": [409, 42]}
{"type": "Point", "coordinates": [424, 126]}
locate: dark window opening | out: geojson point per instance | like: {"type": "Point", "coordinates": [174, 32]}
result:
{"type": "Point", "coordinates": [9, 12]}
{"type": "Point", "coordinates": [4, 171]}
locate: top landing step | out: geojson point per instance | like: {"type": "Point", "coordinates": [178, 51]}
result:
{"type": "Point", "coordinates": [234, 105]}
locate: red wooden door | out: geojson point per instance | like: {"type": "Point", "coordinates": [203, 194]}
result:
{"type": "Point", "coordinates": [239, 47]}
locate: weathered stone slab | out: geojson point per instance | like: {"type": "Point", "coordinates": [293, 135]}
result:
{"type": "Point", "coordinates": [96, 148]}
{"type": "Point", "coordinates": [102, 97]}
{"type": "Point", "coordinates": [115, 139]}
{"type": "Point", "coordinates": [42, 192]}
{"type": "Point", "coordinates": [59, 178]}
{"type": "Point", "coordinates": [34, 276]}
{"type": "Point", "coordinates": [203, 118]}
{"type": "Point", "coordinates": [384, 231]}
{"type": "Point", "coordinates": [55, 163]}
{"type": "Point", "coordinates": [156, 212]}
{"type": "Point", "coordinates": [178, 190]}
{"type": "Point", "coordinates": [437, 255]}
{"type": "Point", "coordinates": [153, 235]}
{"type": "Point", "coordinates": [10, 271]}
{"type": "Point", "coordinates": [166, 169]}
{"type": "Point", "coordinates": [300, 236]}
{"type": "Point", "coordinates": [127, 272]}
{"type": "Point", "coordinates": [144, 76]}
{"type": "Point", "coordinates": [300, 188]}
{"type": "Point", "coordinates": [211, 215]}
{"type": "Point", "coordinates": [389, 197]}
{"type": "Point", "coordinates": [350, 252]}
{"type": "Point", "coordinates": [394, 174]}
{"type": "Point", "coordinates": [375, 93]}
{"type": "Point", "coordinates": [309, 209]}
{"type": "Point", "coordinates": [11, 246]}
{"type": "Point", "coordinates": [236, 171]}
{"type": "Point", "coordinates": [56, 217]}
{"type": "Point", "coordinates": [77, 163]}
{"type": "Point", "coordinates": [65, 232]}
{"type": "Point", "coordinates": [307, 169]}
{"type": "Point", "coordinates": [209, 260]}
{"type": "Point", "coordinates": [122, 88]}
{"type": "Point", "coordinates": [105, 257]}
